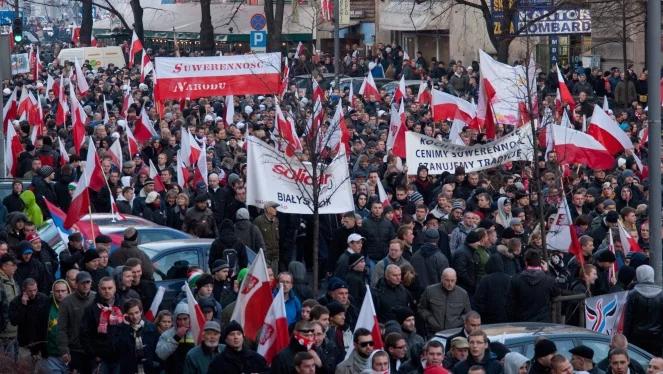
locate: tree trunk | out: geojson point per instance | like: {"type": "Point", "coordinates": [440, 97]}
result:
{"type": "Point", "coordinates": [86, 23]}
{"type": "Point", "coordinates": [206, 29]}
{"type": "Point", "coordinates": [624, 35]}
{"type": "Point", "coordinates": [274, 24]}
{"type": "Point", "coordinates": [137, 10]}
{"type": "Point", "coordinates": [316, 219]}
{"type": "Point", "coordinates": [502, 48]}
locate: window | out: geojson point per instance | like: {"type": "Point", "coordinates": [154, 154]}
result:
{"type": "Point", "coordinates": [174, 265]}
{"type": "Point", "coordinates": [149, 236]}
{"type": "Point", "coordinates": [563, 345]}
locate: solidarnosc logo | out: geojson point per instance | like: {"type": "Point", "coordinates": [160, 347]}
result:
{"type": "Point", "coordinates": [300, 175]}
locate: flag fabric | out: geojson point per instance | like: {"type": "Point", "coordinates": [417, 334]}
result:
{"type": "Point", "coordinates": [23, 104]}
{"type": "Point", "coordinates": [255, 292]}
{"type": "Point", "coordinates": [50, 85]}
{"type": "Point", "coordinates": [64, 155]}
{"type": "Point", "coordinates": [368, 319]}
{"type": "Point", "coordinates": [562, 235]}
{"type": "Point", "coordinates": [63, 107]}
{"type": "Point", "coordinates": [397, 128]}
{"type": "Point", "coordinates": [327, 9]}
{"type": "Point", "coordinates": [9, 111]}
{"type": "Point", "coordinates": [368, 88]}
{"type": "Point", "coordinates": [629, 244]}
{"type": "Point", "coordinates": [200, 172]}
{"type": "Point", "coordinates": [132, 143]}
{"type": "Point", "coordinates": [298, 51]}
{"type": "Point", "coordinates": [605, 314]}
{"type": "Point", "coordinates": [189, 148]}
{"type": "Point", "coordinates": [607, 132]}
{"type": "Point", "coordinates": [351, 96]}
{"type": "Point", "coordinates": [127, 100]}
{"type": "Point", "coordinates": [156, 177]}
{"type": "Point", "coordinates": [230, 110]}
{"type": "Point", "coordinates": [573, 146]}
{"type": "Point", "coordinates": [382, 194]}
{"type": "Point", "coordinates": [135, 47]}
{"type": "Point", "coordinates": [399, 93]}
{"type": "Point", "coordinates": [154, 308]}
{"type": "Point", "coordinates": [78, 119]}
{"type": "Point", "coordinates": [424, 96]}
{"type": "Point", "coordinates": [606, 107]}
{"type": "Point", "coordinates": [146, 66]}
{"type": "Point", "coordinates": [446, 106]}
{"type": "Point", "coordinates": [81, 81]}
{"type": "Point", "coordinates": [274, 335]}
{"type": "Point", "coordinates": [58, 217]}
{"type": "Point", "coordinates": [196, 315]}
{"type": "Point", "coordinates": [115, 152]}
{"type": "Point", "coordinates": [338, 130]}
{"type": "Point", "coordinates": [286, 77]}
{"type": "Point", "coordinates": [106, 116]}
{"type": "Point", "coordinates": [565, 94]}
{"type": "Point", "coordinates": [143, 127]}
{"type": "Point", "coordinates": [285, 134]}
{"type": "Point", "coordinates": [92, 178]}
{"type": "Point", "coordinates": [182, 171]}
{"type": "Point", "coordinates": [75, 35]}
{"type": "Point", "coordinates": [13, 149]}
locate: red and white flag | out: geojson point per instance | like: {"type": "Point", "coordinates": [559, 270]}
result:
{"type": "Point", "coordinates": [286, 78]}
{"type": "Point", "coordinates": [298, 51]}
{"type": "Point", "coordinates": [607, 132]}
{"type": "Point", "coordinates": [75, 35]}
{"type": "Point", "coordinates": [127, 100]}
{"type": "Point", "coordinates": [606, 107]}
{"type": "Point", "coordinates": [351, 97]}
{"type": "Point", "coordinates": [424, 96]}
{"type": "Point", "coordinates": [254, 298]}
{"type": "Point", "coordinates": [338, 130]}
{"type": "Point", "coordinates": [397, 127]}
{"type": "Point", "coordinates": [274, 335]}
{"type": "Point", "coordinates": [132, 143]}
{"type": "Point", "coordinates": [182, 171]}
{"type": "Point", "coordinates": [115, 152]}
{"type": "Point", "coordinates": [92, 178]}
{"type": "Point", "coordinates": [285, 134]}
{"type": "Point", "coordinates": [565, 94]}
{"type": "Point", "coordinates": [573, 146]}
{"type": "Point", "coordinates": [230, 110]}
{"type": "Point", "coordinates": [78, 119]}
{"type": "Point", "coordinates": [382, 194]}
{"type": "Point", "coordinates": [135, 47]}
{"type": "Point", "coordinates": [146, 66]}
{"type": "Point", "coordinates": [63, 107]}
{"type": "Point", "coordinates": [369, 89]}
{"type": "Point", "coordinates": [64, 155]}
{"type": "Point", "coordinates": [50, 85]}
{"type": "Point", "coordinates": [200, 172]}
{"type": "Point", "coordinates": [9, 111]}
{"type": "Point", "coordinates": [196, 315]}
{"type": "Point", "coordinates": [189, 148]}
{"type": "Point", "coordinates": [629, 244]}
{"type": "Point", "coordinates": [446, 106]}
{"type": "Point", "coordinates": [13, 149]}
{"type": "Point", "coordinates": [154, 308]}
{"type": "Point", "coordinates": [368, 319]}
{"type": "Point", "coordinates": [318, 92]}
{"type": "Point", "coordinates": [81, 81]}
{"type": "Point", "coordinates": [562, 234]}
{"type": "Point", "coordinates": [143, 127]}
{"type": "Point", "coordinates": [23, 104]}
{"type": "Point", "coordinates": [400, 92]}
{"type": "Point", "coordinates": [156, 177]}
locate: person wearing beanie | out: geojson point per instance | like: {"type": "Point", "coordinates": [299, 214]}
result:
{"type": "Point", "coordinates": [544, 350]}
{"type": "Point", "coordinates": [176, 342]}
{"type": "Point", "coordinates": [91, 265]}
{"type": "Point", "coordinates": [128, 249]}
{"type": "Point", "coordinates": [29, 267]}
{"type": "Point", "coordinates": [205, 292]}
{"type": "Point", "coordinates": [356, 276]}
{"type": "Point", "coordinates": [532, 291]}
{"type": "Point", "coordinates": [465, 259]}
{"type": "Point", "coordinates": [235, 358]}
{"type": "Point", "coordinates": [406, 319]}
{"type": "Point", "coordinates": [339, 331]}
{"type": "Point", "coordinates": [227, 246]}
{"type": "Point", "coordinates": [248, 233]}
{"type": "Point", "coordinates": [152, 210]}
{"type": "Point", "coordinates": [429, 261]}
{"type": "Point", "coordinates": [199, 220]}
{"type": "Point", "coordinates": [198, 359]}
{"type": "Point", "coordinates": [72, 255]}
{"type": "Point", "coordinates": [643, 325]}
{"type": "Point", "coordinates": [604, 260]}
{"type": "Point", "coordinates": [223, 285]}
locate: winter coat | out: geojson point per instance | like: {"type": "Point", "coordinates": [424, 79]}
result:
{"type": "Point", "coordinates": [154, 214]}
{"type": "Point", "coordinates": [173, 352]}
{"type": "Point", "coordinates": [531, 296]}
{"type": "Point", "coordinates": [95, 343]}
{"type": "Point", "coordinates": [200, 223]}
{"type": "Point", "coordinates": [71, 258]}
{"type": "Point", "coordinates": [124, 345]}
{"type": "Point", "coordinates": [380, 266]}
{"type": "Point", "coordinates": [356, 282]}
{"type": "Point", "coordinates": [32, 322]}
{"type": "Point", "coordinates": [228, 239]}
{"type": "Point", "coordinates": [388, 296]}
{"type": "Point", "coordinates": [378, 234]}
{"type": "Point", "coordinates": [249, 234]}
{"type": "Point", "coordinates": [512, 263]}
{"type": "Point", "coordinates": [43, 190]}
{"type": "Point", "coordinates": [465, 266]}
{"type": "Point", "coordinates": [491, 296]}
{"type": "Point", "coordinates": [49, 258]}
{"type": "Point", "coordinates": [643, 318]}
{"type": "Point", "coordinates": [129, 249]}
{"type": "Point", "coordinates": [36, 270]}
{"type": "Point", "coordinates": [198, 359]}
{"type": "Point", "coordinates": [441, 309]}
{"type": "Point", "coordinates": [13, 202]}
{"type": "Point", "coordinates": [429, 263]}
{"type": "Point", "coordinates": [9, 290]}
{"type": "Point", "coordinates": [488, 363]}
{"type": "Point", "coordinates": [32, 210]}
{"type": "Point", "coordinates": [61, 188]}
{"type": "Point", "coordinates": [270, 234]}
{"type": "Point", "coordinates": [72, 309]}
{"type": "Point", "coordinates": [284, 361]}
{"type": "Point", "coordinates": [231, 361]}
{"type": "Point", "coordinates": [457, 238]}
{"type": "Point", "coordinates": [301, 285]}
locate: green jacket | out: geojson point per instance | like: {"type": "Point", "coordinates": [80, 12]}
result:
{"type": "Point", "coordinates": [32, 210]}
{"type": "Point", "coordinates": [197, 361]}
{"type": "Point", "coordinates": [8, 292]}
{"type": "Point", "coordinates": [270, 234]}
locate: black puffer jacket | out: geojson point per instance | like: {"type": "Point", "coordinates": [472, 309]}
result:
{"type": "Point", "coordinates": [387, 296]}
{"type": "Point", "coordinates": [378, 234]}
{"type": "Point", "coordinates": [228, 239]}
{"type": "Point", "coordinates": [428, 263]}
{"type": "Point", "coordinates": [491, 297]}
{"type": "Point", "coordinates": [531, 295]}
{"type": "Point", "coordinates": [643, 322]}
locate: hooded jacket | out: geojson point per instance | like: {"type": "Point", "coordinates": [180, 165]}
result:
{"type": "Point", "coordinates": [513, 361]}
{"type": "Point", "coordinates": [531, 295]}
{"type": "Point", "coordinates": [228, 239]}
{"type": "Point", "coordinates": [171, 349]}
{"type": "Point", "coordinates": [249, 234]}
{"type": "Point", "coordinates": [69, 322]}
{"type": "Point", "coordinates": [129, 249]}
{"type": "Point", "coordinates": [491, 296]}
{"type": "Point", "coordinates": [32, 322]}
{"type": "Point", "coordinates": [32, 210]}
{"type": "Point", "coordinates": [429, 262]}
{"type": "Point", "coordinates": [643, 325]}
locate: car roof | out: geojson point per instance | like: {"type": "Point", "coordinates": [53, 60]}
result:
{"type": "Point", "coordinates": [522, 329]}
{"type": "Point", "coordinates": [103, 219]}
{"type": "Point", "coordinates": [174, 244]}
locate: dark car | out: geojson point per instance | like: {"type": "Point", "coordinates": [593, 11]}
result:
{"type": "Point", "coordinates": [520, 337]}
{"type": "Point", "coordinates": [172, 260]}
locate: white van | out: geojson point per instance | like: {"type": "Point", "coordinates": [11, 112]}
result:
{"type": "Point", "coordinates": [98, 57]}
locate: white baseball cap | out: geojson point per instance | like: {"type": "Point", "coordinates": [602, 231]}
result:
{"type": "Point", "coordinates": [355, 238]}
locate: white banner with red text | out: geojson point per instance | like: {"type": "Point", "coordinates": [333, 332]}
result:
{"type": "Point", "coordinates": [272, 176]}
{"type": "Point", "coordinates": [194, 77]}
{"type": "Point", "coordinates": [441, 156]}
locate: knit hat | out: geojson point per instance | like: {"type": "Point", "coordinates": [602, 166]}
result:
{"type": "Point", "coordinates": [75, 237]}
{"type": "Point", "coordinates": [242, 213]}
{"type": "Point", "coordinates": [583, 351]}
{"type": "Point", "coordinates": [204, 280]}
{"type": "Point", "coordinates": [544, 347]}
{"type": "Point", "coordinates": [45, 171]}
{"type": "Point", "coordinates": [193, 278]}
{"type": "Point", "coordinates": [354, 259]}
{"type": "Point", "coordinates": [231, 327]}
{"type": "Point", "coordinates": [232, 178]}
{"type": "Point", "coordinates": [335, 283]}
{"type": "Point", "coordinates": [219, 265]}
{"type": "Point", "coordinates": [473, 237]}
{"type": "Point", "coordinates": [103, 239]}
{"type": "Point", "coordinates": [242, 274]}
{"type": "Point", "coordinates": [25, 248]}
{"type": "Point", "coordinates": [457, 204]}
{"type": "Point", "coordinates": [500, 350]}
{"type": "Point", "coordinates": [151, 197]}
{"type": "Point", "coordinates": [402, 313]}
{"type": "Point", "coordinates": [608, 202]}
{"type": "Point", "coordinates": [181, 308]}
{"type": "Point", "coordinates": [432, 234]}
{"type": "Point", "coordinates": [90, 255]}
{"type": "Point", "coordinates": [335, 308]}
{"type": "Point", "coordinates": [130, 234]}
{"type": "Point", "coordinates": [612, 217]}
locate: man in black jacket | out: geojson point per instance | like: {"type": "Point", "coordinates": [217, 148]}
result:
{"type": "Point", "coordinates": [390, 293]}
{"type": "Point", "coordinates": [479, 355]}
{"type": "Point", "coordinates": [532, 291]}
{"type": "Point", "coordinates": [379, 231]}
{"type": "Point", "coordinates": [471, 323]}
{"type": "Point", "coordinates": [236, 359]}
{"type": "Point", "coordinates": [643, 318]}
{"type": "Point", "coordinates": [544, 350]}
{"type": "Point", "coordinates": [283, 363]}
{"type": "Point", "coordinates": [24, 311]}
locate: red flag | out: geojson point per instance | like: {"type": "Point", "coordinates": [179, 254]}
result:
{"type": "Point", "coordinates": [446, 106]}
{"type": "Point", "coordinates": [190, 148]}
{"type": "Point", "coordinates": [78, 119]}
{"type": "Point", "coordinates": [135, 47]}
{"type": "Point", "coordinates": [299, 51]}
{"type": "Point", "coordinates": [13, 149]}
{"type": "Point", "coordinates": [200, 168]}
{"type": "Point", "coordinates": [574, 146]}
{"type": "Point", "coordinates": [565, 94]}
{"type": "Point", "coordinates": [154, 175]}
{"type": "Point", "coordinates": [382, 194]}
{"type": "Point", "coordinates": [9, 111]}
{"type": "Point", "coordinates": [369, 89]}
{"type": "Point", "coordinates": [75, 35]}
{"type": "Point", "coordinates": [115, 152]}
{"type": "Point", "coordinates": [424, 96]}
{"type": "Point", "coordinates": [255, 292]}
{"type": "Point", "coordinates": [143, 128]}
{"type": "Point", "coordinates": [146, 67]}
{"type": "Point", "coordinates": [154, 308]}
{"type": "Point", "coordinates": [63, 108]}
{"type": "Point", "coordinates": [196, 314]}
{"type": "Point", "coordinates": [23, 103]}
{"type": "Point", "coordinates": [64, 155]}
{"type": "Point", "coordinates": [274, 333]}
{"type": "Point", "coordinates": [182, 171]}
{"type": "Point", "coordinates": [92, 178]}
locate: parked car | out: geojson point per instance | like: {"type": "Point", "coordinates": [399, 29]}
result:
{"type": "Point", "coordinates": [172, 260]}
{"type": "Point", "coordinates": [520, 337]}
{"type": "Point", "coordinates": [391, 86]}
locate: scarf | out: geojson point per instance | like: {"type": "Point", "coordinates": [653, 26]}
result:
{"type": "Point", "coordinates": [109, 315]}
{"type": "Point", "coordinates": [303, 340]}
{"type": "Point", "coordinates": [358, 363]}
{"type": "Point", "coordinates": [138, 339]}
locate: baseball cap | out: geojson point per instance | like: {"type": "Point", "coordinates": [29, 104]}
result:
{"type": "Point", "coordinates": [355, 238]}
{"type": "Point", "coordinates": [83, 276]}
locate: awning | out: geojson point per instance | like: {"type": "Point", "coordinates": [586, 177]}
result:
{"type": "Point", "coordinates": [229, 38]}
{"type": "Point", "coordinates": [410, 16]}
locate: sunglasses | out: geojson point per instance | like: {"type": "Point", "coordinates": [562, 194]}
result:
{"type": "Point", "coordinates": [366, 344]}
{"type": "Point", "coordinates": [311, 331]}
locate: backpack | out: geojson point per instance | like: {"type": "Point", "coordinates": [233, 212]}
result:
{"type": "Point", "coordinates": [230, 255]}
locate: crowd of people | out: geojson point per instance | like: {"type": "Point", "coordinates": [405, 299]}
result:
{"type": "Point", "coordinates": [449, 251]}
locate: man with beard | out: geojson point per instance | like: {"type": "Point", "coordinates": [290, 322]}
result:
{"type": "Point", "coordinates": [358, 359]}
{"type": "Point", "coordinates": [135, 341]}
{"type": "Point", "coordinates": [103, 313]}
{"type": "Point", "coordinates": [198, 359]}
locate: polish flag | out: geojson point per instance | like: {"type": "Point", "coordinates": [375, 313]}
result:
{"type": "Point", "coordinates": [565, 94]}
{"type": "Point", "coordinates": [400, 91]}
{"type": "Point", "coordinates": [23, 104]}
{"type": "Point", "coordinates": [189, 148]}
{"type": "Point", "coordinates": [446, 106]}
{"type": "Point", "coordinates": [132, 143]}
{"type": "Point", "coordinates": [230, 110]}
{"type": "Point", "coordinates": [64, 155]}
{"type": "Point", "coordinates": [13, 148]}
{"type": "Point", "coordinates": [368, 319]}
{"type": "Point", "coordinates": [78, 119]}
{"type": "Point", "coordinates": [397, 128]}
{"type": "Point", "coordinates": [299, 51]}
{"type": "Point", "coordinates": [274, 333]}
{"type": "Point", "coordinates": [63, 107]}
{"type": "Point", "coordinates": [562, 234]}
{"type": "Point", "coordinates": [127, 100]}
{"type": "Point", "coordinates": [424, 96]}
{"type": "Point", "coordinates": [369, 89]}
{"type": "Point", "coordinates": [612, 272]}
{"type": "Point", "coordinates": [607, 132]}
{"type": "Point", "coordinates": [115, 152]}
{"type": "Point", "coordinates": [182, 171]}
{"type": "Point", "coordinates": [154, 308]}
{"type": "Point", "coordinates": [382, 194]}
{"type": "Point", "coordinates": [255, 291]}
{"type": "Point", "coordinates": [200, 172]}
{"type": "Point", "coordinates": [92, 178]}
{"type": "Point", "coordinates": [143, 127]}
{"type": "Point", "coordinates": [286, 78]}
{"type": "Point", "coordinates": [606, 107]}
{"type": "Point", "coordinates": [629, 244]}
{"type": "Point", "coordinates": [318, 92]}
{"type": "Point", "coordinates": [9, 111]}
{"type": "Point", "coordinates": [573, 146]}
{"type": "Point", "coordinates": [50, 83]}
{"type": "Point", "coordinates": [156, 177]}
{"type": "Point", "coordinates": [338, 130]}
{"type": "Point", "coordinates": [106, 116]}
{"type": "Point", "coordinates": [81, 82]}
{"type": "Point", "coordinates": [135, 47]}
{"type": "Point", "coordinates": [196, 315]}
{"type": "Point", "coordinates": [285, 134]}
{"type": "Point", "coordinates": [146, 67]}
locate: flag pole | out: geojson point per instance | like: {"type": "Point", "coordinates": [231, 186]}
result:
{"type": "Point", "coordinates": [89, 208]}
{"type": "Point", "coordinates": [110, 192]}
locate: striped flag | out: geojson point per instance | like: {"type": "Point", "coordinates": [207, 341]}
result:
{"type": "Point", "coordinates": [195, 313]}
{"type": "Point", "coordinates": [154, 308]}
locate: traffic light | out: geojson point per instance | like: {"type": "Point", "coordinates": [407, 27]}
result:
{"type": "Point", "coordinates": [18, 30]}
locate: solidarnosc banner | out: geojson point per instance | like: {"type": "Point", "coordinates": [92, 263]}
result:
{"type": "Point", "coordinates": [194, 77]}
{"type": "Point", "coordinates": [440, 155]}
{"type": "Point", "coordinates": [272, 176]}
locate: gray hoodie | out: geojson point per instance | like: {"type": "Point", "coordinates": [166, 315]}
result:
{"type": "Point", "coordinates": [513, 361]}
{"type": "Point", "coordinates": [645, 286]}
